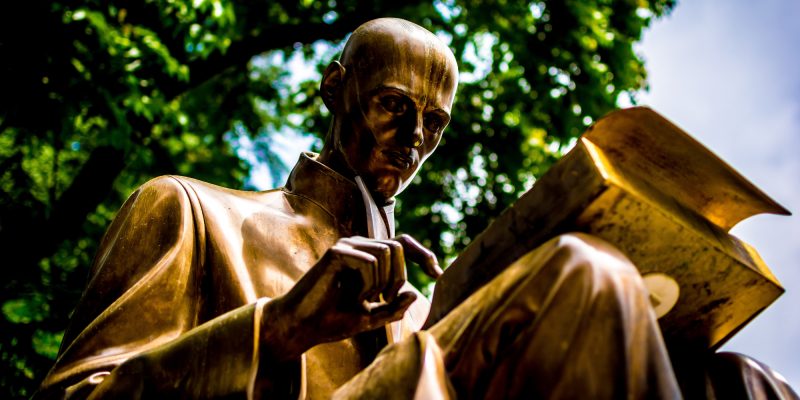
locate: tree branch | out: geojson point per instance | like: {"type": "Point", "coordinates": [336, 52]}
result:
{"type": "Point", "coordinates": [26, 239]}
{"type": "Point", "coordinates": [95, 180]}
{"type": "Point", "coordinates": [271, 38]}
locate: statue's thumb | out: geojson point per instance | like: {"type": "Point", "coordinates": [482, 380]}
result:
{"type": "Point", "coordinates": [393, 311]}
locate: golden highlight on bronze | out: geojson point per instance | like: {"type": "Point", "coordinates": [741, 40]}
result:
{"type": "Point", "coordinates": [201, 292]}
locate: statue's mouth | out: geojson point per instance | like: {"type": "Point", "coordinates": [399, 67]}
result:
{"type": "Point", "coordinates": [398, 159]}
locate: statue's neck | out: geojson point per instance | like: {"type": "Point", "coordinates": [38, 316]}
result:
{"type": "Point", "coordinates": [377, 214]}
{"type": "Point", "coordinates": [335, 160]}
{"type": "Point", "coordinates": [338, 195]}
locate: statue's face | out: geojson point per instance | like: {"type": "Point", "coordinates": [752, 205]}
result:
{"type": "Point", "coordinates": [395, 111]}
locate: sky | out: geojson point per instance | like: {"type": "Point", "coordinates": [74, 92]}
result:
{"type": "Point", "coordinates": [728, 73]}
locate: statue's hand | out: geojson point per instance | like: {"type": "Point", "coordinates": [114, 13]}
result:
{"type": "Point", "coordinates": [353, 288]}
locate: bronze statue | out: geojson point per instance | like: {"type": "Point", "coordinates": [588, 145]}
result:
{"type": "Point", "coordinates": [199, 291]}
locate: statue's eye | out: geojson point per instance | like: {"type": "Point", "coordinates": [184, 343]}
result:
{"type": "Point", "coordinates": [433, 123]}
{"type": "Point", "coordinates": [393, 104]}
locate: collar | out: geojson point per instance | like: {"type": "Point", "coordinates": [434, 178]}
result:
{"type": "Point", "coordinates": [328, 189]}
{"type": "Point", "coordinates": [338, 196]}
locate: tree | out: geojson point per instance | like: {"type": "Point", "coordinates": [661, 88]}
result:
{"type": "Point", "coordinates": [97, 97]}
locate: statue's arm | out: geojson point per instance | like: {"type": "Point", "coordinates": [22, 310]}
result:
{"type": "Point", "coordinates": [134, 332]}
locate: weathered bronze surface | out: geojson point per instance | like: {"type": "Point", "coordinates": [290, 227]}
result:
{"type": "Point", "coordinates": [642, 184]}
{"type": "Point", "coordinates": [203, 292]}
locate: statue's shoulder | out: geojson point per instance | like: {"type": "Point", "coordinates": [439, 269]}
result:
{"type": "Point", "coordinates": [183, 185]}
{"type": "Point", "coordinates": [214, 201]}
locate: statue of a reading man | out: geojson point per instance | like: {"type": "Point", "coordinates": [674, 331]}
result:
{"type": "Point", "coordinates": [203, 292]}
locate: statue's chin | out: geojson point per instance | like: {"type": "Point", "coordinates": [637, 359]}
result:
{"type": "Point", "coordinates": [392, 186]}
{"type": "Point", "coordinates": [386, 188]}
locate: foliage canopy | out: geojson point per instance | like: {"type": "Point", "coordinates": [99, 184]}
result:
{"type": "Point", "coordinates": [98, 97]}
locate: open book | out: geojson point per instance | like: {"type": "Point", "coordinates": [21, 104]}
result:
{"type": "Point", "coordinates": [639, 182]}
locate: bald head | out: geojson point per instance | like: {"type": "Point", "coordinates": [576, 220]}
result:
{"type": "Point", "coordinates": [391, 94]}
{"type": "Point", "coordinates": [402, 47]}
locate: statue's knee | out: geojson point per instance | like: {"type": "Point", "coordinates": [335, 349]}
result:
{"type": "Point", "coordinates": [571, 263]}
{"type": "Point", "coordinates": [583, 251]}
{"type": "Point", "coordinates": [577, 262]}
{"type": "Point", "coordinates": [733, 374]}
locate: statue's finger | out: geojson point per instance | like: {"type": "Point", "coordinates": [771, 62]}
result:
{"type": "Point", "coordinates": [384, 313]}
{"type": "Point", "coordinates": [397, 271]}
{"type": "Point", "coordinates": [382, 252]}
{"type": "Point", "coordinates": [364, 266]}
{"type": "Point", "coordinates": [418, 253]}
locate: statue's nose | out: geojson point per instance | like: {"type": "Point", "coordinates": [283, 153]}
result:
{"type": "Point", "coordinates": [418, 136]}
{"type": "Point", "coordinates": [413, 135]}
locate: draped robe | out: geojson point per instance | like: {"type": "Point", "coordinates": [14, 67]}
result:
{"type": "Point", "coordinates": [178, 287]}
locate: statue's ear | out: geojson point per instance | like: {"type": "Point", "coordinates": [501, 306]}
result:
{"type": "Point", "coordinates": [331, 85]}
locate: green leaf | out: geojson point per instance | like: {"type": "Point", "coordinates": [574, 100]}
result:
{"type": "Point", "coordinates": [47, 343]}
{"type": "Point", "coordinates": [26, 309]}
